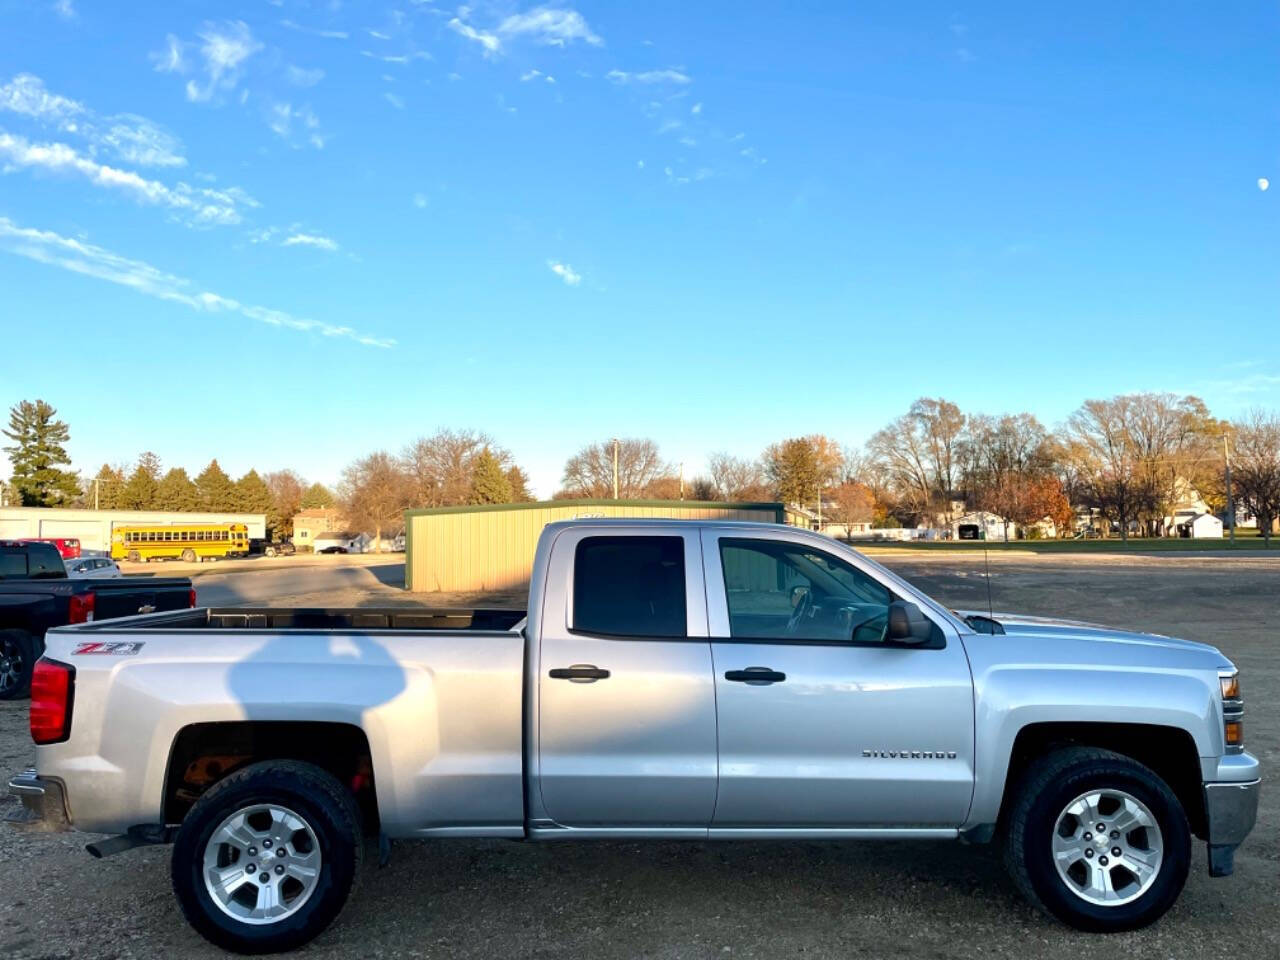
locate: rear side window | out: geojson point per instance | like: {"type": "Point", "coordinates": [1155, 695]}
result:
{"type": "Point", "coordinates": [44, 561]}
{"type": "Point", "coordinates": [13, 565]}
{"type": "Point", "coordinates": [629, 587]}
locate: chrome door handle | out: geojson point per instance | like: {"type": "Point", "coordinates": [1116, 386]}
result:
{"type": "Point", "coordinates": [580, 673]}
{"type": "Point", "coordinates": [756, 676]}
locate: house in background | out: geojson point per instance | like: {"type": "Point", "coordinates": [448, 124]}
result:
{"type": "Point", "coordinates": [982, 525]}
{"type": "Point", "coordinates": [308, 524]}
{"type": "Point", "coordinates": [1197, 526]}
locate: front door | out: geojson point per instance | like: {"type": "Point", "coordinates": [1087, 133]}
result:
{"type": "Point", "coordinates": [626, 711]}
{"type": "Point", "coordinates": [823, 724]}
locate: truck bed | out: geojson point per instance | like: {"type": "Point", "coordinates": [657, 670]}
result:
{"type": "Point", "coordinates": [319, 618]}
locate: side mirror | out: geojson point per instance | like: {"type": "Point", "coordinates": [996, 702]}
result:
{"type": "Point", "coordinates": [907, 623]}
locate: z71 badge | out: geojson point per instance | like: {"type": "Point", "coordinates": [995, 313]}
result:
{"type": "Point", "coordinates": [119, 648]}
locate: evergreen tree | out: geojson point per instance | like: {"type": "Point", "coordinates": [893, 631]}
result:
{"type": "Point", "coordinates": [106, 490]}
{"type": "Point", "coordinates": [39, 451]}
{"type": "Point", "coordinates": [177, 491]}
{"type": "Point", "coordinates": [252, 495]}
{"type": "Point", "coordinates": [488, 482]}
{"type": "Point", "coordinates": [144, 483]}
{"type": "Point", "coordinates": [217, 492]}
{"type": "Point", "coordinates": [316, 497]}
{"type": "Point", "coordinates": [519, 482]}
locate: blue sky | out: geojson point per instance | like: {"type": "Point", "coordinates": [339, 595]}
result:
{"type": "Point", "coordinates": [288, 233]}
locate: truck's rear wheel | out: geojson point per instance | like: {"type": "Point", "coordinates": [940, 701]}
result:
{"type": "Point", "coordinates": [266, 858]}
{"type": "Point", "coordinates": [17, 659]}
{"type": "Point", "coordinates": [1098, 840]}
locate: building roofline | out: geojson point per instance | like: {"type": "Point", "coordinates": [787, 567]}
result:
{"type": "Point", "coordinates": [775, 506]}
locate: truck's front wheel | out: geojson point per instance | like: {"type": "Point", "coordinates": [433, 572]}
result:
{"type": "Point", "coordinates": [267, 857]}
{"type": "Point", "coordinates": [1098, 840]}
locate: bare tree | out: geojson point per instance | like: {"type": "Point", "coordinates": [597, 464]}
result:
{"type": "Point", "coordinates": [441, 467]}
{"type": "Point", "coordinates": [374, 493]}
{"type": "Point", "coordinates": [589, 472]}
{"type": "Point", "coordinates": [1255, 468]}
{"type": "Point", "coordinates": [286, 489]}
{"type": "Point", "coordinates": [851, 503]}
{"type": "Point", "coordinates": [1098, 442]}
{"type": "Point", "coordinates": [903, 454]}
{"type": "Point", "coordinates": [1005, 456]}
{"type": "Point", "coordinates": [737, 478]}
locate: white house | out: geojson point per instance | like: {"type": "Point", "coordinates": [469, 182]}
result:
{"type": "Point", "coordinates": [1199, 526]}
{"type": "Point", "coordinates": [982, 525]}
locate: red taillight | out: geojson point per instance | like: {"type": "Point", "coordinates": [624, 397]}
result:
{"type": "Point", "coordinates": [82, 608]}
{"type": "Point", "coordinates": [53, 687]}
{"type": "Point", "coordinates": [191, 597]}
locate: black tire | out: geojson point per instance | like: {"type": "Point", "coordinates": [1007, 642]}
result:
{"type": "Point", "coordinates": [270, 551]}
{"type": "Point", "coordinates": [322, 802]}
{"type": "Point", "coordinates": [1045, 790]}
{"type": "Point", "coordinates": [188, 555]}
{"type": "Point", "coordinates": [19, 651]}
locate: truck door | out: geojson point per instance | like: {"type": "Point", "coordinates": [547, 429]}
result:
{"type": "Point", "coordinates": [626, 699]}
{"type": "Point", "coordinates": [821, 723]}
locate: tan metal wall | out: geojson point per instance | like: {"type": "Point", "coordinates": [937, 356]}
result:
{"type": "Point", "coordinates": [488, 549]}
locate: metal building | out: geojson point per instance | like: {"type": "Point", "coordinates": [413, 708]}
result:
{"type": "Point", "coordinates": [93, 527]}
{"type": "Point", "coordinates": [491, 547]}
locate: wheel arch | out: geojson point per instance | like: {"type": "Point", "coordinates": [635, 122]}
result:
{"type": "Point", "coordinates": [203, 754]}
{"type": "Point", "coordinates": [1169, 751]}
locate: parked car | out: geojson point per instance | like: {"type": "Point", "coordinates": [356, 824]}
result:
{"type": "Point", "coordinates": [101, 567]}
{"type": "Point", "coordinates": [670, 680]}
{"type": "Point", "coordinates": [36, 594]}
{"type": "Point", "coordinates": [68, 547]}
{"type": "Point", "coordinates": [271, 548]}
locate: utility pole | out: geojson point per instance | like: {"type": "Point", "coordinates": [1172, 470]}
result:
{"type": "Point", "coordinates": [681, 479]}
{"type": "Point", "coordinates": [615, 468]}
{"type": "Point", "coordinates": [1231, 507]}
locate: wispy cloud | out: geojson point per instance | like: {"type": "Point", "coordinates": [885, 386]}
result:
{"type": "Point", "coordinates": [649, 76]}
{"type": "Point", "coordinates": [315, 32]}
{"type": "Point", "coordinates": [550, 26]}
{"type": "Point", "coordinates": [223, 49]}
{"type": "Point", "coordinates": [131, 138]}
{"type": "Point", "coordinates": [317, 240]}
{"type": "Point", "coordinates": [565, 272]}
{"type": "Point", "coordinates": [26, 94]}
{"type": "Point", "coordinates": [77, 256]}
{"type": "Point", "coordinates": [420, 201]}
{"type": "Point", "coordinates": [65, 9]}
{"type": "Point", "coordinates": [534, 75]}
{"type": "Point", "coordinates": [696, 108]}
{"type": "Point", "coordinates": [301, 77]}
{"type": "Point", "coordinates": [286, 120]}
{"type": "Point", "coordinates": [395, 101]}
{"type": "Point", "coordinates": [489, 41]}
{"type": "Point", "coordinates": [197, 205]}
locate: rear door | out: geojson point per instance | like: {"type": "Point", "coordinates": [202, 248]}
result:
{"type": "Point", "coordinates": [626, 711]}
{"type": "Point", "coordinates": [821, 722]}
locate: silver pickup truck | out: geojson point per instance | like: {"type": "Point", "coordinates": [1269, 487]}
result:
{"type": "Point", "coordinates": [670, 680]}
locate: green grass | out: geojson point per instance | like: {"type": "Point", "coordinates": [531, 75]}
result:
{"type": "Point", "coordinates": [1244, 541]}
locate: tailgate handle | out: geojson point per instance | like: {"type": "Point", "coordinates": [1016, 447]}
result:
{"type": "Point", "coordinates": [580, 673]}
{"type": "Point", "coordinates": [756, 676]}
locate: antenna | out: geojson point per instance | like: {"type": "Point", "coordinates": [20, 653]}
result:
{"type": "Point", "coordinates": [987, 560]}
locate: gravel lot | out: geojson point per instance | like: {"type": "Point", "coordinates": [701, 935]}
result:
{"type": "Point", "coordinates": [703, 900]}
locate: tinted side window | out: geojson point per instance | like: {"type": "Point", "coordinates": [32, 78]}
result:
{"type": "Point", "coordinates": [13, 564]}
{"type": "Point", "coordinates": [44, 561]}
{"type": "Point", "coordinates": [629, 587]}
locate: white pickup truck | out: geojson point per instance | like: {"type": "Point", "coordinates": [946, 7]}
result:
{"type": "Point", "coordinates": [670, 680]}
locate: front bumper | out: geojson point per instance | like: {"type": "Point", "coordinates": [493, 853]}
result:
{"type": "Point", "coordinates": [1231, 810]}
{"type": "Point", "coordinates": [44, 805]}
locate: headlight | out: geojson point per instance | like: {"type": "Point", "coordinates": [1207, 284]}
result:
{"type": "Point", "coordinates": [1232, 712]}
{"type": "Point", "coordinates": [1230, 686]}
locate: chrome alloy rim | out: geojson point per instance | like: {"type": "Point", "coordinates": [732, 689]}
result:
{"type": "Point", "coordinates": [262, 864]}
{"type": "Point", "coordinates": [1107, 847]}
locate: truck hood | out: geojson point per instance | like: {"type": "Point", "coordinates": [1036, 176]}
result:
{"type": "Point", "coordinates": [1048, 628]}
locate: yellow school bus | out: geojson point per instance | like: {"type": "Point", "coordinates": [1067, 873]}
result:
{"type": "Point", "coordinates": [189, 542]}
